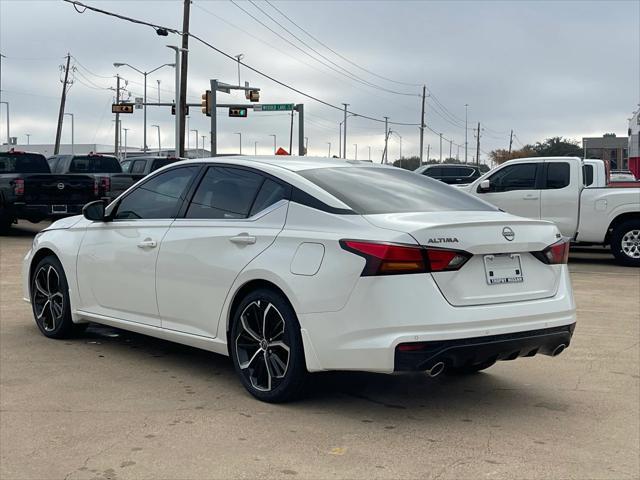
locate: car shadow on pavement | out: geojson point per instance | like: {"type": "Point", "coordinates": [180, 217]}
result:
{"type": "Point", "coordinates": [370, 395]}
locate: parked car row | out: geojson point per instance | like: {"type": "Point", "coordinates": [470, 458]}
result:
{"type": "Point", "coordinates": [35, 188]}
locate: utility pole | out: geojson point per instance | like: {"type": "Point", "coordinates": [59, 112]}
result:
{"type": "Point", "coordinates": [63, 99]}
{"type": "Point", "coordinates": [159, 145]}
{"type": "Point", "coordinates": [424, 91]}
{"type": "Point", "coordinates": [458, 153]}
{"type": "Point", "coordinates": [203, 137]}
{"type": "Point", "coordinates": [196, 132]}
{"type": "Point", "coordinates": [440, 148]}
{"type": "Point", "coordinates": [344, 137]}
{"type": "Point", "coordinates": [466, 130]}
{"type": "Point", "coordinates": [181, 106]}
{"type": "Point", "coordinates": [510, 141]}
{"type": "Point", "coordinates": [302, 149]}
{"type": "Point", "coordinates": [73, 143]}
{"type": "Point", "coordinates": [239, 57]}
{"type": "Point", "coordinates": [450, 147]}
{"type": "Point", "coordinates": [117, 139]}
{"type": "Point", "coordinates": [329, 155]}
{"type": "Point", "coordinates": [340, 140]}
{"type": "Point", "coordinates": [158, 90]}
{"type": "Point", "coordinates": [386, 140]}
{"type": "Point", "coordinates": [291, 135]}
{"type": "Point", "coordinates": [478, 146]}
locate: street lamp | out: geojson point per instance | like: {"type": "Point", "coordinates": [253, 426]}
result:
{"type": "Point", "coordinates": [125, 142]}
{"type": "Point", "coordinates": [178, 126]}
{"type": "Point", "coordinates": [342, 143]}
{"type": "Point", "coordinates": [196, 131]}
{"type": "Point", "coordinates": [274, 143]}
{"type": "Point", "coordinates": [239, 57]}
{"type": "Point", "coordinates": [159, 146]}
{"type": "Point", "coordinates": [72, 133]}
{"type": "Point", "coordinates": [28, 135]}
{"type": "Point", "coordinates": [240, 137]}
{"type": "Point", "coordinates": [118, 64]}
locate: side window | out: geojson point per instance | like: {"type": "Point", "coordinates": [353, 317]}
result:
{"type": "Point", "coordinates": [270, 193]}
{"type": "Point", "coordinates": [225, 193]}
{"type": "Point", "coordinates": [514, 177]}
{"type": "Point", "coordinates": [138, 166]}
{"type": "Point", "coordinates": [558, 175]}
{"type": "Point", "coordinates": [433, 172]}
{"type": "Point", "coordinates": [160, 197]}
{"type": "Point", "coordinates": [125, 166]}
{"type": "Point", "coordinates": [587, 174]}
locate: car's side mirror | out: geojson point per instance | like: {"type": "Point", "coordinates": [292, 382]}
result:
{"type": "Point", "coordinates": [485, 186]}
{"type": "Point", "coordinates": [94, 211]}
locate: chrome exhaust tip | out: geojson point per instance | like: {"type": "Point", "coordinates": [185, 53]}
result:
{"type": "Point", "coordinates": [558, 350]}
{"type": "Point", "coordinates": [435, 369]}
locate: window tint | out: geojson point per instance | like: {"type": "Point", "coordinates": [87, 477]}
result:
{"type": "Point", "coordinates": [160, 162]}
{"type": "Point", "coordinates": [23, 163]}
{"type": "Point", "coordinates": [225, 193]}
{"type": "Point", "coordinates": [433, 172]}
{"type": "Point", "coordinates": [126, 166]}
{"type": "Point", "coordinates": [270, 193]}
{"type": "Point", "coordinates": [160, 197]}
{"type": "Point", "coordinates": [587, 175]}
{"type": "Point", "coordinates": [95, 164]}
{"type": "Point", "coordinates": [138, 166]}
{"type": "Point", "coordinates": [514, 177]}
{"type": "Point", "coordinates": [371, 190]}
{"type": "Point", "coordinates": [557, 175]}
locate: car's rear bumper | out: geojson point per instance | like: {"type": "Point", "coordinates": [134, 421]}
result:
{"type": "Point", "coordinates": [384, 312]}
{"type": "Point", "coordinates": [465, 352]}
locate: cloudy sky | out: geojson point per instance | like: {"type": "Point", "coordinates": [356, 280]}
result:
{"type": "Point", "coordinates": [541, 68]}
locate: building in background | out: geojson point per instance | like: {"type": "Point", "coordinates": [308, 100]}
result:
{"type": "Point", "coordinates": [609, 148]}
{"type": "Point", "coordinates": [634, 143]}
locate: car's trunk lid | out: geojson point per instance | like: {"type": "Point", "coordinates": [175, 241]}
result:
{"type": "Point", "coordinates": [502, 268]}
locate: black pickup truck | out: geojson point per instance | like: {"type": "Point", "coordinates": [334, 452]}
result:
{"type": "Point", "coordinates": [100, 167]}
{"type": "Point", "coordinates": [136, 168]}
{"type": "Point", "coordinates": [29, 191]}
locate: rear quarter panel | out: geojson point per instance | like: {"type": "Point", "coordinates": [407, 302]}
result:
{"type": "Point", "coordinates": [600, 206]}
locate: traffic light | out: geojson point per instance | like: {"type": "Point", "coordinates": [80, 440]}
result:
{"type": "Point", "coordinates": [254, 95]}
{"type": "Point", "coordinates": [122, 108]}
{"type": "Point", "coordinates": [238, 112]}
{"type": "Point", "coordinates": [173, 109]}
{"type": "Point", "coordinates": [206, 103]}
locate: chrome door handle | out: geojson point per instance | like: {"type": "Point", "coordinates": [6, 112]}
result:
{"type": "Point", "coordinates": [243, 239]}
{"type": "Point", "coordinates": [148, 243]}
{"type": "Point", "coordinates": [530, 197]}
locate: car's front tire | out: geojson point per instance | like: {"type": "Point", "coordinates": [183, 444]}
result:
{"type": "Point", "coordinates": [50, 300]}
{"type": "Point", "coordinates": [625, 243]}
{"type": "Point", "coordinates": [266, 347]}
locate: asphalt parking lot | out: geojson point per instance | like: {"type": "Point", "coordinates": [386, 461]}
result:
{"type": "Point", "coordinates": [115, 405]}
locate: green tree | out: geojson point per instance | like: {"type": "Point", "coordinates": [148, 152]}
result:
{"type": "Point", "coordinates": [557, 147]}
{"type": "Point", "coordinates": [408, 163]}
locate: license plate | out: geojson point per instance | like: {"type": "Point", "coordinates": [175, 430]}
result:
{"type": "Point", "coordinates": [58, 209]}
{"type": "Point", "coordinates": [503, 268]}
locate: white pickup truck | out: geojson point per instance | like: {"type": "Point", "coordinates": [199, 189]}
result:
{"type": "Point", "coordinates": [574, 195]}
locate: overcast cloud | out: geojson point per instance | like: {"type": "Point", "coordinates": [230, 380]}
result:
{"type": "Point", "coordinates": [542, 68]}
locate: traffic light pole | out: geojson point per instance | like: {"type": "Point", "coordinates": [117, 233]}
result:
{"type": "Point", "coordinates": [301, 148]}
{"type": "Point", "coordinates": [212, 113]}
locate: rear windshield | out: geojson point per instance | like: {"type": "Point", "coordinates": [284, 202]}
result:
{"type": "Point", "coordinates": [161, 162]}
{"type": "Point", "coordinates": [23, 163]}
{"type": "Point", "coordinates": [371, 190]}
{"type": "Point", "coordinates": [95, 164]}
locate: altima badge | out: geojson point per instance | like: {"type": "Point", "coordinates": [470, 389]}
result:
{"type": "Point", "coordinates": [508, 234]}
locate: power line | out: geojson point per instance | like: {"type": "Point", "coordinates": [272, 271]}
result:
{"type": "Point", "coordinates": [338, 54]}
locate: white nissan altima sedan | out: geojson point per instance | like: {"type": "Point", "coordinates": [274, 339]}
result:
{"type": "Point", "coordinates": [292, 266]}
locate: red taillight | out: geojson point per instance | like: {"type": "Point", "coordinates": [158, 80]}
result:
{"type": "Point", "coordinates": [18, 186]}
{"type": "Point", "coordinates": [555, 254]}
{"type": "Point", "coordinates": [393, 259]}
{"type": "Point", "coordinates": [105, 183]}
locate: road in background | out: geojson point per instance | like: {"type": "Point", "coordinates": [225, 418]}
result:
{"type": "Point", "coordinates": [113, 404]}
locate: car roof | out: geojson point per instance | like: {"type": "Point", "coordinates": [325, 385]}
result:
{"type": "Point", "coordinates": [293, 164]}
{"type": "Point", "coordinates": [451, 165]}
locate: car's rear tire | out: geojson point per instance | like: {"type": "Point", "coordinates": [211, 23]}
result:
{"type": "Point", "coordinates": [470, 369]}
{"type": "Point", "coordinates": [50, 300]}
{"type": "Point", "coordinates": [266, 347]}
{"type": "Point", "coordinates": [625, 243]}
